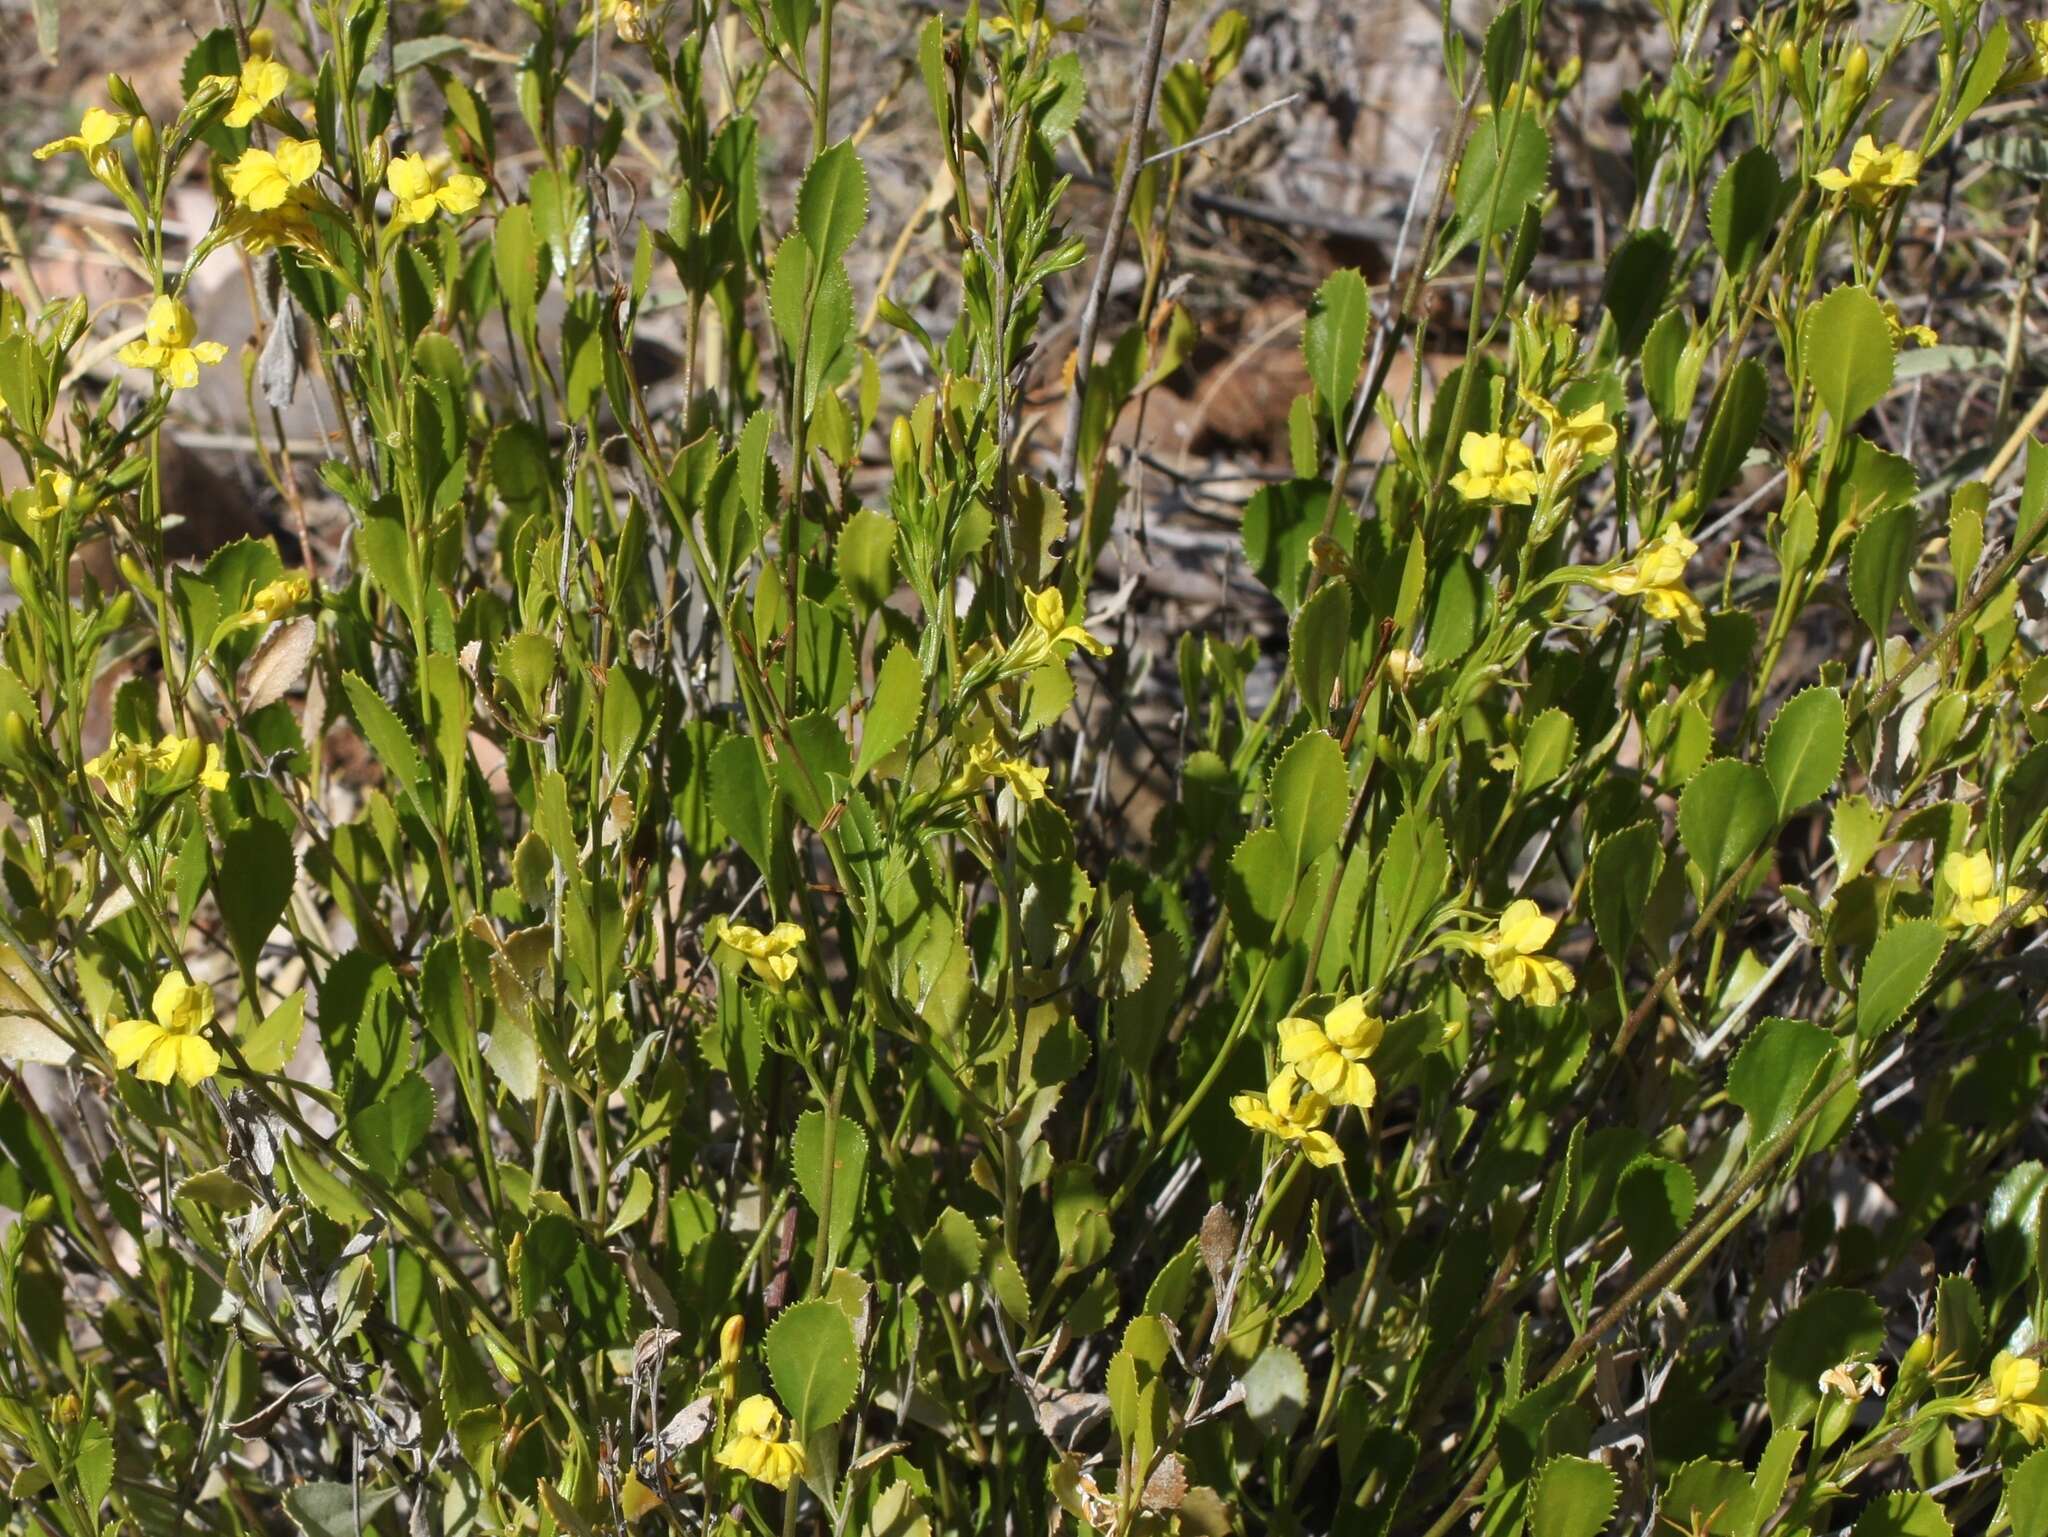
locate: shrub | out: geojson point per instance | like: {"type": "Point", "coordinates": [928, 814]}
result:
{"type": "Point", "coordinates": [622, 993]}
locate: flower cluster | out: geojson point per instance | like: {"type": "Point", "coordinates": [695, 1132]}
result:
{"type": "Point", "coordinates": [130, 769]}
{"type": "Point", "coordinates": [985, 761]}
{"type": "Point", "coordinates": [1330, 1057]}
{"type": "Point", "coordinates": [772, 955]}
{"type": "Point", "coordinates": [1497, 468]}
{"type": "Point", "coordinates": [277, 600]}
{"type": "Point", "coordinates": [757, 1446]}
{"type": "Point", "coordinates": [420, 192]}
{"type": "Point", "coordinates": [1656, 574]}
{"type": "Point", "coordinates": [1974, 895]}
{"type": "Point", "coordinates": [1874, 174]}
{"type": "Point", "coordinates": [263, 180]}
{"type": "Point", "coordinates": [2015, 1392]}
{"type": "Point", "coordinates": [1291, 1113]}
{"type": "Point", "coordinates": [1513, 959]}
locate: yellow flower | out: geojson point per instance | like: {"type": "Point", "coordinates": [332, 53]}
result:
{"type": "Point", "coordinates": [274, 600]}
{"type": "Point", "coordinates": [2015, 1390]}
{"type": "Point", "coordinates": [1496, 469]}
{"type": "Point", "coordinates": [421, 192]}
{"type": "Point", "coordinates": [97, 131]}
{"type": "Point", "coordinates": [1974, 897]}
{"type": "Point", "coordinates": [167, 347]}
{"type": "Point", "coordinates": [771, 955]}
{"type": "Point", "coordinates": [1511, 957]}
{"type": "Point", "coordinates": [1330, 1057]}
{"type": "Point", "coordinates": [173, 1043]}
{"type": "Point", "coordinates": [1656, 574]}
{"type": "Point", "coordinates": [628, 18]}
{"type": "Point", "coordinates": [1570, 440]}
{"type": "Point", "coordinates": [1874, 174]}
{"type": "Point", "coordinates": [214, 776]}
{"type": "Point", "coordinates": [261, 181]}
{"type": "Point", "coordinates": [1894, 322]}
{"type": "Point", "coordinates": [261, 83]}
{"type": "Point", "coordinates": [756, 1445]}
{"type": "Point", "coordinates": [985, 761]}
{"type": "Point", "coordinates": [1047, 637]}
{"type": "Point", "coordinates": [130, 768]}
{"type": "Point", "coordinates": [42, 501]}
{"type": "Point", "coordinates": [1290, 1114]}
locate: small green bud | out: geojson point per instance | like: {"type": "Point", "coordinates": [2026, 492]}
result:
{"type": "Point", "coordinates": [1856, 70]}
{"type": "Point", "coordinates": [123, 96]}
{"type": "Point", "coordinates": [902, 448]}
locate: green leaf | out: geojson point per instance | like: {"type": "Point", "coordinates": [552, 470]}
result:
{"type": "Point", "coordinates": [387, 736]}
{"type": "Point", "coordinates": [1845, 348]}
{"type": "Point", "coordinates": [849, 1172]}
{"type": "Point", "coordinates": [1638, 278]}
{"type": "Point", "coordinates": [1315, 651]}
{"type": "Point", "coordinates": [1510, 146]}
{"type": "Point", "coordinates": [1895, 971]}
{"type": "Point", "coordinates": [814, 1362]}
{"type": "Point", "coordinates": [832, 203]}
{"type": "Point", "coordinates": [1828, 1328]}
{"type": "Point", "coordinates": [1731, 432]}
{"type": "Point", "coordinates": [1773, 1472]}
{"type": "Point", "coordinates": [1413, 870]}
{"type": "Point", "coordinates": [1742, 215]}
{"type": "Point", "coordinates": [1726, 812]}
{"type": "Point", "coordinates": [950, 1255]}
{"type": "Point", "coordinates": [1333, 340]}
{"type": "Point", "coordinates": [326, 1509]}
{"type": "Point", "coordinates": [1655, 1198]}
{"type": "Point", "coordinates": [740, 799]}
{"type": "Point", "coordinates": [1625, 870]}
{"type": "Point", "coordinates": [390, 1129]}
{"type": "Point", "coordinates": [1546, 750]}
{"type": "Point", "coordinates": [1803, 753]}
{"type": "Point", "coordinates": [1708, 1496]}
{"type": "Point", "coordinates": [892, 713]}
{"type": "Point", "coordinates": [1777, 1073]}
{"type": "Point", "coordinates": [2026, 1495]}
{"type": "Point", "coordinates": [1310, 798]}
{"type": "Point", "coordinates": [272, 1043]}
{"type": "Point", "coordinates": [1280, 523]}
{"type": "Point", "coordinates": [1574, 1497]}
{"type": "Point", "coordinates": [1880, 563]}
{"type": "Point", "coordinates": [1137, 1395]}
{"type": "Point", "coordinates": [1276, 1392]}
{"type": "Point", "coordinates": [252, 884]}
{"type": "Point", "coordinates": [815, 754]}
{"type": "Point", "coordinates": [866, 554]}
{"type": "Point", "coordinates": [1855, 828]}
{"type": "Point", "coordinates": [1256, 886]}
{"type": "Point", "coordinates": [2012, 1227]}
{"type": "Point", "coordinates": [1911, 1513]}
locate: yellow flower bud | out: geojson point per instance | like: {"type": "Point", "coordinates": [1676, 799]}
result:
{"type": "Point", "coordinates": [1856, 70]}
{"type": "Point", "coordinates": [730, 1338]}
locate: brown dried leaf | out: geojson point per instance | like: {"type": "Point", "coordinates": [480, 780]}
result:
{"type": "Point", "coordinates": [279, 662]}
{"type": "Point", "coordinates": [1219, 1245]}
